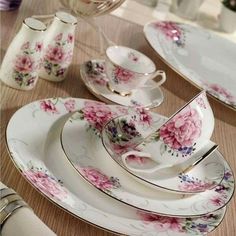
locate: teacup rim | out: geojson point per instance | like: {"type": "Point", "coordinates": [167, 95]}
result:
{"type": "Point", "coordinates": [139, 73]}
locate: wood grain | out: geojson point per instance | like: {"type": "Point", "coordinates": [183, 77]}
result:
{"type": "Point", "coordinates": [176, 90]}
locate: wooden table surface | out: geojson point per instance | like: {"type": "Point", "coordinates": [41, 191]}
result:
{"type": "Point", "coordinates": [176, 90]}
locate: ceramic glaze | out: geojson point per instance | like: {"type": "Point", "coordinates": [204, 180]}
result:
{"type": "Point", "coordinates": [93, 74]}
{"type": "Point", "coordinates": [22, 60]}
{"type": "Point", "coordinates": [59, 45]}
{"type": "Point", "coordinates": [38, 150]}
{"type": "Point", "coordinates": [128, 69]}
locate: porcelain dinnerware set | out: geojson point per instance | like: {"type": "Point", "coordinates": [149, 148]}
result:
{"type": "Point", "coordinates": [118, 165]}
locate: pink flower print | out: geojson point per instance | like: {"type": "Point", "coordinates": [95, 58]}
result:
{"type": "Point", "coordinates": [55, 54]}
{"type": "Point", "coordinates": [121, 148]}
{"type": "Point", "coordinates": [97, 114]}
{"type": "Point", "coordinates": [171, 30]}
{"type": "Point", "coordinates": [68, 57]}
{"type": "Point", "coordinates": [46, 184]}
{"type": "Point", "coordinates": [182, 130]}
{"type": "Point", "coordinates": [200, 102]}
{"type": "Point", "coordinates": [219, 91]}
{"type": "Point", "coordinates": [48, 107]}
{"type": "Point", "coordinates": [144, 116]}
{"type": "Point", "coordinates": [162, 223]}
{"type": "Point", "coordinates": [70, 38]}
{"type": "Point", "coordinates": [25, 46]}
{"type": "Point", "coordinates": [98, 179]}
{"type": "Point", "coordinates": [218, 200]}
{"type": "Point", "coordinates": [70, 105]}
{"type": "Point", "coordinates": [58, 37]}
{"type": "Point", "coordinates": [24, 63]}
{"type": "Point", "coordinates": [132, 56]}
{"type": "Point", "coordinates": [122, 75]}
{"type": "Point", "coordinates": [38, 47]}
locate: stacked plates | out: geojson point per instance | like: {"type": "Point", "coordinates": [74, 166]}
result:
{"type": "Point", "coordinates": [57, 146]}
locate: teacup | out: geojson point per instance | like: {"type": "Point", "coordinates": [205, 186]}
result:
{"type": "Point", "coordinates": [128, 69]}
{"type": "Point", "coordinates": [180, 139]}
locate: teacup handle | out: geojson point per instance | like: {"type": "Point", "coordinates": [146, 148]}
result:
{"type": "Point", "coordinates": [141, 155]}
{"type": "Point", "coordinates": [160, 73]}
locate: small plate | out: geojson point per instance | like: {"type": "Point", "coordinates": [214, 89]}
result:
{"type": "Point", "coordinates": [33, 141]}
{"type": "Point", "coordinates": [94, 76]}
{"type": "Point", "coordinates": [83, 147]}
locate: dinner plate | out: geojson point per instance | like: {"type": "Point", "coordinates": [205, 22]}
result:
{"type": "Point", "coordinates": [94, 76]}
{"type": "Point", "coordinates": [33, 141]}
{"type": "Point", "coordinates": [84, 149]}
{"type": "Point", "coordinates": [201, 57]}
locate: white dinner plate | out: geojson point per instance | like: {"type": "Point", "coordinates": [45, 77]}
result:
{"type": "Point", "coordinates": [34, 146]}
{"type": "Point", "coordinates": [201, 57]}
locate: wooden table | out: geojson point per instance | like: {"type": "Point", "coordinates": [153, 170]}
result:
{"type": "Point", "coordinates": [177, 91]}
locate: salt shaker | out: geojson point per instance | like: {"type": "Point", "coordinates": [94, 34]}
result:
{"type": "Point", "coordinates": [22, 60]}
{"type": "Point", "coordinates": [59, 45]}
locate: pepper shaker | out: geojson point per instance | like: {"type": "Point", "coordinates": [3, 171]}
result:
{"type": "Point", "coordinates": [22, 60]}
{"type": "Point", "coordinates": [59, 45]}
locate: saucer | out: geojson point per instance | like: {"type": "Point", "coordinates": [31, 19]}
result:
{"type": "Point", "coordinates": [94, 76]}
{"type": "Point", "coordinates": [83, 147]}
{"type": "Point", "coordinates": [33, 141]}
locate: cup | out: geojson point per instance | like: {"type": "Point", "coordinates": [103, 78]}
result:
{"type": "Point", "coordinates": [59, 45]}
{"type": "Point", "coordinates": [22, 60]}
{"type": "Point", "coordinates": [128, 69]}
{"type": "Point", "coordinates": [181, 139]}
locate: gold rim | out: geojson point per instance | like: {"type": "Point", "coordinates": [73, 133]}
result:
{"type": "Point", "coordinates": [182, 75]}
{"type": "Point", "coordinates": [123, 94]}
{"type": "Point", "coordinates": [117, 199]}
{"type": "Point", "coordinates": [42, 30]}
{"type": "Point", "coordinates": [115, 64]}
{"type": "Point", "coordinates": [65, 22]}
{"type": "Point", "coordinates": [73, 214]}
{"type": "Point", "coordinates": [107, 100]}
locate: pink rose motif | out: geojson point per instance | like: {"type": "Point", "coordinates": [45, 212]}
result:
{"type": "Point", "coordinates": [144, 116]}
{"type": "Point", "coordinates": [46, 184]}
{"type": "Point", "coordinates": [70, 105]}
{"type": "Point", "coordinates": [182, 130]}
{"type": "Point", "coordinates": [162, 223]}
{"type": "Point", "coordinates": [121, 148]}
{"type": "Point", "coordinates": [25, 46]}
{"type": "Point", "coordinates": [70, 38]}
{"type": "Point", "coordinates": [38, 47]}
{"type": "Point", "coordinates": [55, 54]}
{"type": "Point", "coordinates": [97, 114]}
{"type": "Point", "coordinates": [97, 178]}
{"type": "Point", "coordinates": [24, 63]}
{"type": "Point", "coordinates": [123, 75]}
{"type": "Point", "coordinates": [136, 159]}
{"type": "Point", "coordinates": [218, 90]}
{"type": "Point", "coordinates": [48, 107]}
{"type": "Point", "coordinates": [58, 37]}
{"type": "Point", "coordinates": [170, 29]}
{"type": "Point", "coordinates": [218, 201]}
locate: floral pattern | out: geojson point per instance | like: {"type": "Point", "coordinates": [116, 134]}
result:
{"type": "Point", "coordinates": [133, 57]}
{"type": "Point", "coordinates": [191, 184]}
{"type": "Point", "coordinates": [221, 93]}
{"type": "Point", "coordinates": [97, 114]}
{"type": "Point", "coordinates": [46, 183]}
{"type": "Point", "coordinates": [25, 64]}
{"type": "Point", "coordinates": [96, 72]}
{"type": "Point", "coordinates": [57, 56]}
{"type": "Point", "coordinates": [181, 132]}
{"type": "Point", "coordinates": [221, 191]}
{"type": "Point", "coordinates": [172, 31]}
{"type": "Point", "coordinates": [121, 75]}
{"type": "Point", "coordinates": [180, 225]}
{"type": "Point", "coordinates": [100, 180]}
